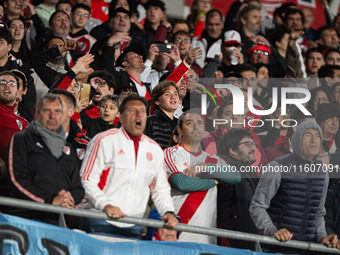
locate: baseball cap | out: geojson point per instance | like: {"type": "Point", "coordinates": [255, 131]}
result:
{"type": "Point", "coordinates": [231, 37]}
{"type": "Point", "coordinates": [258, 46]}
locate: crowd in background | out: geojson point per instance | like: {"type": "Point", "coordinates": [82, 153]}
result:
{"type": "Point", "coordinates": [94, 56]}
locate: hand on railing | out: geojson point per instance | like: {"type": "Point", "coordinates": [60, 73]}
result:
{"type": "Point", "coordinates": [331, 241]}
{"type": "Point", "coordinates": [283, 235]}
{"type": "Point", "coordinates": [113, 212]}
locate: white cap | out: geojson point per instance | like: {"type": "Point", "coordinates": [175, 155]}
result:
{"type": "Point", "coordinates": [231, 37]}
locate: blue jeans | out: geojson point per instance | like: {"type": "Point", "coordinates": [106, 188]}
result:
{"type": "Point", "coordinates": [102, 227]}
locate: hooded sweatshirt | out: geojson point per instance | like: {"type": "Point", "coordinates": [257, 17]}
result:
{"type": "Point", "coordinates": [292, 199]}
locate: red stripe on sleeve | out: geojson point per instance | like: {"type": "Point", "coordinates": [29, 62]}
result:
{"type": "Point", "coordinates": [103, 178]}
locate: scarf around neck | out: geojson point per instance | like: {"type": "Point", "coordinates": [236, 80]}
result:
{"type": "Point", "coordinates": [55, 141]}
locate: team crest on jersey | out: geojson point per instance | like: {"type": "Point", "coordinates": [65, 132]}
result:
{"type": "Point", "coordinates": [149, 156]}
{"type": "Point", "coordinates": [19, 124]}
{"type": "Point", "coordinates": [67, 150]}
{"type": "Point", "coordinates": [80, 153]}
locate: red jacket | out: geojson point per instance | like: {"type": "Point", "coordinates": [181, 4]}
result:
{"type": "Point", "coordinates": [9, 125]}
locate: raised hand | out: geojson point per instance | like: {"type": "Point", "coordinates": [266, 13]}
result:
{"type": "Point", "coordinates": [118, 37]}
{"type": "Point", "coordinates": [193, 54]}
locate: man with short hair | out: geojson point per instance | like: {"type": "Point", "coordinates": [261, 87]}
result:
{"type": "Point", "coordinates": [314, 61]}
{"type": "Point", "coordinates": [293, 19]}
{"type": "Point", "coordinates": [80, 16]}
{"type": "Point", "coordinates": [121, 168]}
{"type": "Point", "coordinates": [182, 39]}
{"type": "Point", "coordinates": [10, 122]}
{"type": "Point", "coordinates": [75, 136]}
{"type": "Point", "coordinates": [250, 18]}
{"type": "Point", "coordinates": [328, 38]}
{"type": "Point", "coordinates": [210, 41]}
{"type": "Point", "coordinates": [64, 5]}
{"type": "Point", "coordinates": [332, 57]}
{"type": "Point", "coordinates": [13, 9]}
{"type": "Point", "coordinates": [155, 17]}
{"type": "Point", "coordinates": [195, 198]}
{"type": "Point", "coordinates": [329, 75]}
{"type": "Point", "coordinates": [42, 166]}
{"type": "Point", "coordinates": [7, 64]}
{"type": "Point", "coordinates": [119, 34]}
{"type": "Point", "coordinates": [277, 199]}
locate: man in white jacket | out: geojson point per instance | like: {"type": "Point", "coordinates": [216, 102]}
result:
{"type": "Point", "coordinates": [120, 170]}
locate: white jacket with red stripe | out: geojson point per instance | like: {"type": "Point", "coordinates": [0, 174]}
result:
{"type": "Point", "coordinates": [110, 174]}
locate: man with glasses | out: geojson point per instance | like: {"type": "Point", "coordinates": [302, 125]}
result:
{"type": "Point", "coordinates": [182, 39]}
{"type": "Point", "coordinates": [10, 122]}
{"type": "Point", "coordinates": [102, 83]}
{"type": "Point", "coordinates": [259, 53]}
{"type": "Point", "coordinates": [80, 17]}
{"type": "Point", "coordinates": [289, 201]}
{"type": "Point", "coordinates": [237, 148]}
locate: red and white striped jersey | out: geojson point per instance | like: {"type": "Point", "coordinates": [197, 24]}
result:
{"type": "Point", "coordinates": [194, 208]}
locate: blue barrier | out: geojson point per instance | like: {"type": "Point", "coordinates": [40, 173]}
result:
{"type": "Point", "coordinates": [22, 236]}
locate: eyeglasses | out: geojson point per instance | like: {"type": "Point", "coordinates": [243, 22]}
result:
{"type": "Point", "coordinates": [185, 41]}
{"type": "Point", "coordinates": [248, 144]}
{"type": "Point", "coordinates": [321, 99]}
{"type": "Point", "coordinates": [233, 82]}
{"type": "Point", "coordinates": [100, 83]}
{"type": "Point", "coordinates": [261, 52]}
{"type": "Point", "coordinates": [86, 16]}
{"type": "Point", "coordinates": [9, 83]}
{"type": "Point", "coordinates": [193, 78]}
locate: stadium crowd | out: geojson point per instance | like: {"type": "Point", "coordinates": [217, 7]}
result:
{"type": "Point", "coordinates": [102, 110]}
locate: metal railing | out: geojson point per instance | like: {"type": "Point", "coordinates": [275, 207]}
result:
{"type": "Point", "coordinates": [12, 202]}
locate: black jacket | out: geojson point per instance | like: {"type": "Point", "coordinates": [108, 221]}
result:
{"type": "Point", "coordinates": [33, 173]}
{"type": "Point", "coordinates": [79, 141]}
{"type": "Point", "coordinates": [104, 31]}
{"type": "Point", "coordinates": [233, 204]}
{"type": "Point", "coordinates": [159, 127]}
{"type": "Point", "coordinates": [93, 126]}
{"type": "Point", "coordinates": [45, 73]}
